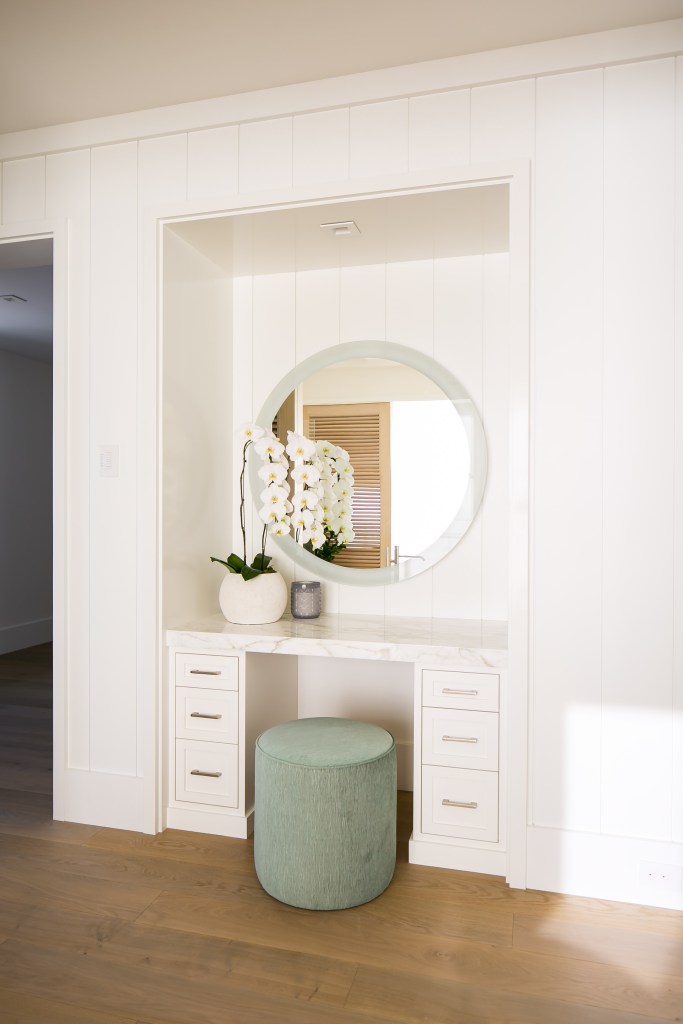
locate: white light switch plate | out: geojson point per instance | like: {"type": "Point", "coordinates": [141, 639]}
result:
{"type": "Point", "coordinates": [108, 460]}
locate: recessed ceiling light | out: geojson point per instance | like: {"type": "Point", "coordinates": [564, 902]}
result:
{"type": "Point", "coordinates": [13, 298]}
{"type": "Point", "coordinates": [342, 228]}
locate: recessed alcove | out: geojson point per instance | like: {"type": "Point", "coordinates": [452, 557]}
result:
{"type": "Point", "coordinates": [248, 296]}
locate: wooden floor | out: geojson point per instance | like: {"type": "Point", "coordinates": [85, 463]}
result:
{"type": "Point", "coordinates": [99, 926]}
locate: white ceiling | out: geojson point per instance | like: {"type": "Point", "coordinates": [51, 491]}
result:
{"type": "Point", "coordinates": [69, 60]}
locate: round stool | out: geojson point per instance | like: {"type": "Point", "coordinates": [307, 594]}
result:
{"type": "Point", "coordinates": [325, 812]}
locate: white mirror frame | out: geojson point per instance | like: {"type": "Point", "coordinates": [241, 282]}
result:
{"type": "Point", "coordinates": [456, 529]}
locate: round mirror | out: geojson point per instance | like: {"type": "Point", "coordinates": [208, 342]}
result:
{"type": "Point", "coordinates": [416, 449]}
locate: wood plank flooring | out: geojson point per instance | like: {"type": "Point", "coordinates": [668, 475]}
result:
{"type": "Point", "coordinates": [100, 926]}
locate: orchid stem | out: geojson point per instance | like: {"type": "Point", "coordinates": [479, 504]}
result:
{"type": "Point", "coordinates": [242, 514]}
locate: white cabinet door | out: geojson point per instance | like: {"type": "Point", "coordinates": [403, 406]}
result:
{"type": "Point", "coordinates": [205, 714]}
{"type": "Point", "coordinates": [207, 773]}
{"type": "Point", "coordinates": [460, 803]}
{"type": "Point", "coordinates": [476, 691]}
{"type": "Point", "coordinates": [460, 739]}
{"type": "Point", "coordinates": [211, 671]}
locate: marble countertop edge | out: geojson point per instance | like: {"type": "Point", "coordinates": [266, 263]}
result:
{"type": "Point", "coordinates": [376, 638]}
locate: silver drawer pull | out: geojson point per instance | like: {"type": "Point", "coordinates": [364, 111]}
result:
{"type": "Point", "coordinates": [199, 714]}
{"type": "Point", "coordinates": [460, 739]}
{"type": "Point", "coordinates": [459, 803]}
{"type": "Point", "coordinates": [205, 672]}
{"type": "Point", "coordinates": [466, 693]}
{"type": "Point", "coordinates": [209, 775]}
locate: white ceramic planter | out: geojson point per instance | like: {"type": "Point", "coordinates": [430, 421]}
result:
{"type": "Point", "coordinates": [250, 602]}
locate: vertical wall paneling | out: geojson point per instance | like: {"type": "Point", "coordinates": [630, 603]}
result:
{"type": "Point", "coordinates": [212, 163]}
{"type": "Point", "coordinates": [67, 195]}
{"type": "Point", "coordinates": [362, 317]}
{"type": "Point", "coordinates": [321, 147]}
{"type": "Point", "coordinates": [363, 303]}
{"type": "Point", "coordinates": [677, 794]}
{"type": "Point", "coordinates": [439, 130]}
{"type": "Point", "coordinates": [495, 414]}
{"type": "Point", "coordinates": [273, 353]}
{"type": "Point", "coordinates": [317, 311]}
{"type": "Point", "coordinates": [274, 332]}
{"type": "Point", "coordinates": [379, 138]}
{"type": "Point", "coordinates": [23, 190]}
{"type": "Point", "coordinates": [162, 178]}
{"type": "Point", "coordinates": [265, 155]}
{"type": "Point", "coordinates": [458, 337]}
{"type": "Point", "coordinates": [502, 125]}
{"type": "Point", "coordinates": [244, 410]}
{"type": "Point", "coordinates": [567, 404]}
{"type": "Point", "coordinates": [163, 170]}
{"type": "Point", "coordinates": [410, 321]}
{"type": "Point", "coordinates": [410, 304]}
{"type": "Point", "coordinates": [113, 515]}
{"type": "Point", "coordinates": [638, 449]}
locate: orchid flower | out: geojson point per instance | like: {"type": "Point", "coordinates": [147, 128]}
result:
{"type": "Point", "coordinates": [269, 448]}
{"type": "Point", "coordinates": [249, 432]}
{"type": "Point", "coordinates": [299, 447]}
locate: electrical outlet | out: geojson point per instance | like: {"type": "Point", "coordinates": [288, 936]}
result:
{"type": "Point", "coordinates": [661, 876]}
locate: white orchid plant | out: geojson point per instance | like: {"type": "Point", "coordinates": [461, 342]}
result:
{"type": "Point", "coordinates": [323, 495]}
{"type": "Point", "coordinates": [320, 510]}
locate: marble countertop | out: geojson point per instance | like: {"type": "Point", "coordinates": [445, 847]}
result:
{"type": "Point", "coordinates": [373, 637]}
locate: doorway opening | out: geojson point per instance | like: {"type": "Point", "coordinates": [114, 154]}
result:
{"type": "Point", "coordinates": [26, 529]}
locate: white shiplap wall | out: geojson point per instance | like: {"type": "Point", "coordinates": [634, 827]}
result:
{"type": "Point", "coordinates": [607, 455]}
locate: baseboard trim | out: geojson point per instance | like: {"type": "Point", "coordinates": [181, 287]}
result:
{"type": "Point", "coordinates": [110, 801]}
{"type": "Point", "coordinates": [217, 823]}
{"type": "Point", "coordinates": [25, 634]}
{"type": "Point", "coordinates": [457, 858]}
{"type": "Point", "coordinates": [601, 867]}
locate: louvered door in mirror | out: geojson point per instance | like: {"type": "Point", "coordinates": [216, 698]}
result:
{"type": "Point", "coordinates": [364, 431]}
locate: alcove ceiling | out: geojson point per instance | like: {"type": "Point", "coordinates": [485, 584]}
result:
{"type": "Point", "coordinates": [70, 60]}
{"type": "Point", "coordinates": [389, 229]}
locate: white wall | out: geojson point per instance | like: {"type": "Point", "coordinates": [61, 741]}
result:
{"type": "Point", "coordinates": [197, 430]}
{"type": "Point", "coordinates": [607, 453]}
{"type": "Point", "coordinates": [25, 502]}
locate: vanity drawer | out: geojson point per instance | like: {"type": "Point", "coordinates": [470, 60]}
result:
{"type": "Point", "coordinates": [204, 714]}
{"type": "Point", "coordinates": [477, 691]}
{"type": "Point", "coordinates": [207, 773]}
{"type": "Point", "coordinates": [210, 671]}
{"type": "Point", "coordinates": [460, 803]}
{"type": "Point", "coordinates": [460, 739]}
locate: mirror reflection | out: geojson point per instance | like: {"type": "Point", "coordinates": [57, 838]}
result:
{"type": "Point", "coordinates": [410, 447]}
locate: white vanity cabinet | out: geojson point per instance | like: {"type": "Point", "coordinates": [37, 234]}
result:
{"type": "Point", "coordinates": [216, 709]}
{"type": "Point", "coordinates": [459, 770]}
{"type": "Point", "coordinates": [206, 730]}
{"type": "Point", "coordinates": [228, 683]}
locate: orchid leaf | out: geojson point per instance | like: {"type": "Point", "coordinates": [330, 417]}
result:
{"type": "Point", "coordinates": [261, 562]}
{"type": "Point", "coordinates": [221, 561]}
{"type": "Point", "coordinates": [248, 573]}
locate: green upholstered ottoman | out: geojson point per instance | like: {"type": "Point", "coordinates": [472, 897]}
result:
{"type": "Point", "coordinates": [325, 812]}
